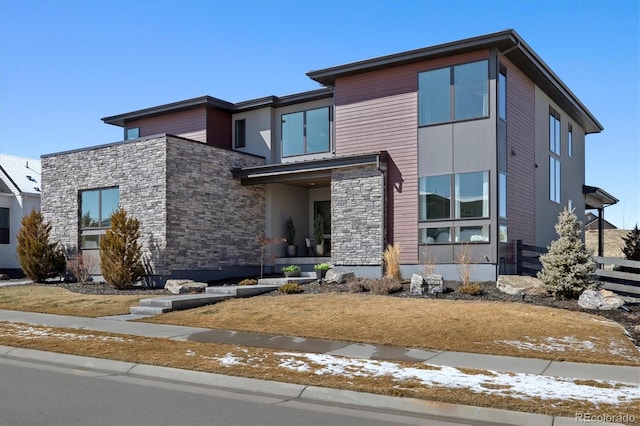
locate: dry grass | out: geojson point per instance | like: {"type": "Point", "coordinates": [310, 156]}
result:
{"type": "Point", "coordinates": [54, 300]}
{"type": "Point", "coordinates": [613, 242]}
{"type": "Point", "coordinates": [391, 258]}
{"type": "Point", "coordinates": [266, 364]}
{"type": "Point", "coordinates": [487, 327]}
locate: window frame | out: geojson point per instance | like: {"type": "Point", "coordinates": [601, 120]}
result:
{"type": "Point", "coordinates": [101, 229]}
{"type": "Point", "coordinates": [305, 135]}
{"type": "Point", "coordinates": [128, 133]}
{"type": "Point", "coordinates": [452, 95]}
{"type": "Point", "coordinates": [240, 133]}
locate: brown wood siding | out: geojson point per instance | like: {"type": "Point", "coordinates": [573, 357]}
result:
{"type": "Point", "coordinates": [521, 167]}
{"type": "Point", "coordinates": [378, 111]}
{"type": "Point", "coordinates": [190, 124]}
{"type": "Point", "coordinates": [219, 128]}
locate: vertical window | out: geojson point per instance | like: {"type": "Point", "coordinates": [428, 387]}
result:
{"type": "Point", "coordinates": [472, 195]}
{"type": "Point", "coordinates": [133, 133]}
{"type": "Point", "coordinates": [240, 133]}
{"type": "Point", "coordinates": [460, 92]}
{"type": "Point", "coordinates": [554, 179]}
{"type": "Point", "coordinates": [502, 95]}
{"type": "Point", "coordinates": [305, 132]}
{"type": "Point", "coordinates": [570, 141]}
{"type": "Point", "coordinates": [502, 195]}
{"type": "Point", "coordinates": [435, 197]}
{"type": "Point", "coordinates": [554, 132]}
{"type": "Point", "coordinates": [4, 226]}
{"type": "Point", "coordinates": [96, 208]}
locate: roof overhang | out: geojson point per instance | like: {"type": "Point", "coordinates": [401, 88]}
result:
{"type": "Point", "coordinates": [597, 198]}
{"type": "Point", "coordinates": [507, 43]}
{"type": "Point", "coordinates": [300, 171]}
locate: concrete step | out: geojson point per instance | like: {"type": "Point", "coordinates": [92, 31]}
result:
{"type": "Point", "coordinates": [183, 301]}
{"type": "Point", "coordinates": [147, 310]}
{"type": "Point", "coordinates": [305, 277]}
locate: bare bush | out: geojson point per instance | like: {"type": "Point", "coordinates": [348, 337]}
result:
{"type": "Point", "coordinates": [465, 264]}
{"type": "Point", "coordinates": [391, 258]}
{"type": "Point", "coordinates": [385, 286]}
{"type": "Point", "coordinates": [82, 266]}
{"type": "Point", "coordinates": [358, 285]}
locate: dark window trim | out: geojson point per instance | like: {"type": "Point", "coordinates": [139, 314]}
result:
{"type": "Point", "coordinates": [304, 131]}
{"type": "Point", "coordinates": [127, 130]}
{"type": "Point", "coordinates": [452, 200]}
{"type": "Point", "coordinates": [240, 133]}
{"type": "Point", "coordinates": [5, 233]}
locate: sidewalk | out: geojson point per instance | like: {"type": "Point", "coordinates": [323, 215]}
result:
{"type": "Point", "coordinates": [345, 349]}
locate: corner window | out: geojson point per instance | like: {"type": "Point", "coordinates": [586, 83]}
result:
{"type": "Point", "coordinates": [133, 133]}
{"type": "Point", "coordinates": [4, 226]}
{"type": "Point", "coordinates": [305, 132]}
{"type": "Point", "coordinates": [454, 93]}
{"type": "Point", "coordinates": [96, 208]}
{"type": "Point", "coordinates": [240, 134]}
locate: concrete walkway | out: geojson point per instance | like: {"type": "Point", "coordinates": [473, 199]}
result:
{"type": "Point", "coordinates": [379, 352]}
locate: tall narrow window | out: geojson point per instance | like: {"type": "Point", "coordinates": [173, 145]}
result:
{"type": "Point", "coordinates": [4, 226]}
{"type": "Point", "coordinates": [240, 133]}
{"type": "Point", "coordinates": [570, 141]}
{"type": "Point", "coordinates": [554, 156]}
{"type": "Point", "coordinates": [554, 179]}
{"type": "Point", "coordinates": [554, 132]}
{"type": "Point", "coordinates": [502, 195]}
{"type": "Point", "coordinates": [96, 208]}
{"type": "Point", "coordinates": [435, 197]}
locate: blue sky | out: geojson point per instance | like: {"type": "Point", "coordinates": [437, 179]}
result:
{"type": "Point", "coordinates": [66, 64]}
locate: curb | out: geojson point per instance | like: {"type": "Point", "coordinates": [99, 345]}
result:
{"type": "Point", "coordinates": [289, 391]}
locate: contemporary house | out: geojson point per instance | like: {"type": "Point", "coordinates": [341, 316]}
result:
{"type": "Point", "coordinates": [469, 145]}
{"type": "Point", "coordinates": [20, 186]}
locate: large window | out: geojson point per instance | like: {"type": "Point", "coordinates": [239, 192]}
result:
{"type": "Point", "coordinates": [305, 132]}
{"type": "Point", "coordinates": [96, 208]}
{"type": "Point", "coordinates": [459, 197]}
{"type": "Point", "coordinates": [454, 93]}
{"type": "Point", "coordinates": [4, 226]}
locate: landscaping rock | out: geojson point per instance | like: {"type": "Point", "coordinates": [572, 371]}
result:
{"type": "Point", "coordinates": [435, 283]}
{"type": "Point", "coordinates": [417, 284]}
{"type": "Point", "coordinates": [603, 300]}
{"type": "Point", "coordinates": [184, 286]}
{"type": "Point", "coordinates": [515, 285]}
{"type": "Point", "coordinates": [4, 277]}
{"type": "Point", "coordinates": [338, 277]}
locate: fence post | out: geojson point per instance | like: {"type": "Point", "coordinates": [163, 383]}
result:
{"type": "Point", "coordinates": [519, 257]}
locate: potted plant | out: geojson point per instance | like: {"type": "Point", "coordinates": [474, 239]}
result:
{"type": "Point", "coordinates": [318, 233]}
{"type": "Point", "coordinates": [290, 236]}
{"type": "Point", "coordinates": [321, 270]}
{"type": "Point", "coordinates": [291, 271]}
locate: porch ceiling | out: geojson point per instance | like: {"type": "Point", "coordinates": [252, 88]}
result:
{"type": "Point", "coordinates": [597, 198]}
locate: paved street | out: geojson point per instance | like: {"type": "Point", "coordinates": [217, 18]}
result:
{"type": "Point", "coordinates": [41, 394]}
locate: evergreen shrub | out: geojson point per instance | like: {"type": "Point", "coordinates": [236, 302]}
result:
{"type": "Point", "coordinates": [39, 258]}
{"type": "Point", "coordinates": [120, 253]}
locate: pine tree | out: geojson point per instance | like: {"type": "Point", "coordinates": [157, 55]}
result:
{"type": "Point", "coordinates": [567, 267]}
{"type": "Point", "coordinates": [631, 247]}
{"type": "Point", "coordinates": [39, 258]}
{"type": "Point", "coordinates": [120, 254]}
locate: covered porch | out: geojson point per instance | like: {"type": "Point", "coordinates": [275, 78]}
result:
{"type": "Point", "coordinates": [597, 199]}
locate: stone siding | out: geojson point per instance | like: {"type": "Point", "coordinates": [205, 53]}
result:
{"type": "Point", "coordinates": [193, 215]}
{"type": "Point", "coordinates": [357, 216]}
{"type": "Point", "coordinates": [213, 221]}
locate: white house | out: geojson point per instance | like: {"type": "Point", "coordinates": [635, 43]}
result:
{"type": "Point", "coordinates": [20, 184]}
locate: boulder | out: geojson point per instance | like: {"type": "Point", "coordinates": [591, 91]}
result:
{"type": "Point", "coordinates": [4, 277]}
{"type": "Point", "coordinates": [603, 300]}
{"type": "Point", "coordinates": [417, 284]}
{"type": "Point", "coordinates": [516, 285]}
{"type": "Point", "coordinates": [339, 277]}
{"type": "Point", "coordinates": [435, 283]}
{"type": "Point", "coordinates": [184, 286]}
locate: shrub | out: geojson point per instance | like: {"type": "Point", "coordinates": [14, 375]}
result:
{"type": "Point", "coordinates": [465, 264]}
{"type": "Point", "coordinates": [385, 286]}
{"type": "Point", "coordinates": [248, 281]}
{"type": "Point", "coordinates": [471, 289]}
{"type": "Point", "coordinates": [567, 267]}
{"type": "Point", "coordinates": [82, 266]}
{"type": "Point", "coordinates": [120, 254]}
{"type": "Point", "coordinates": [358, 285]}
{"type": "Point", "coordinates": [318, 229]}
{"type": "Point", "coordinates": [39, 258]}
{"type": "Point", "coordinates": [290, 232]}
{"type": "Point", "coordinates": [391, 258]}
{"type": "Point", "coordinates": [290, 268]}
{"type": "Point", "coordinates": [291, 288]}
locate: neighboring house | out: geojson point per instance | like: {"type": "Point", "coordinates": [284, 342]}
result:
{"type": "Point", "coordinates": [474, 143]}
{"type": "Point", "coordinates": [20, 185]}
{"type": "Point", "coordinates": [591, 223]}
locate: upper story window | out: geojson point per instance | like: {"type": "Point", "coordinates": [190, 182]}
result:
{"type": "Point", "coordinates": [305, 132]}
{"type": "Point", "coordinates": [4, 226]}
{"type": "Point", "coordinates": [460, 92]}
{"type": "Point", "coordinates": [240, 135]}
{"type": "Point", "coordinates": [554, 132]}
{"type": "Point", "coordinates": [96, 208]}
{"type": "Point", "coordinates": [570, 141]}
{"type": "Point", "coordinates": [133, 133]}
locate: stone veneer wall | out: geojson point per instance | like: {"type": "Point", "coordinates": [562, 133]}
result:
{"type": "Point", "coordinates": [213, 222]}
{"type": "Point", "coordinates": [357, 216]}
{"type": "Point", "coordinates": [193, 215]}
{"type": "Point", "coordinates": [138, 169]}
